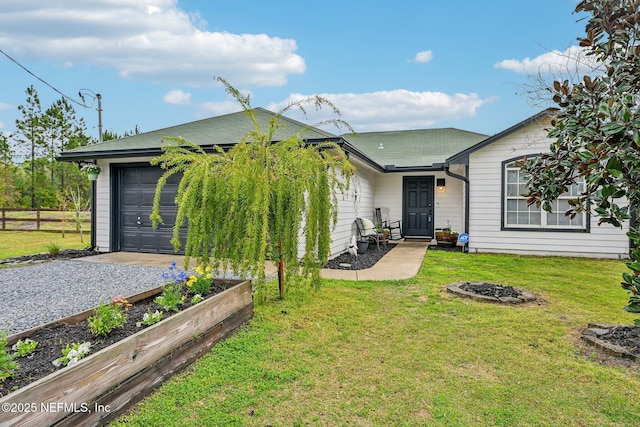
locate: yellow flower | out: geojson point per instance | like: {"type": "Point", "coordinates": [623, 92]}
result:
{"type": "Point", "coordinates": [199, 270]}
{"type": "Point", "coordinates": [209, 276]}
{"type": "Point", "coordinates": [208, 269]}
{"type": "Point", "coordinates": [183, 298]}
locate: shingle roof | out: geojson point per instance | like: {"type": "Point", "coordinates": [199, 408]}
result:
{"type": "Point", "coordinates": [222, 130]}
{"type": "Point", "coordinates": [418, 149]}
{"type": "Point", "coordinates": [413, 148]}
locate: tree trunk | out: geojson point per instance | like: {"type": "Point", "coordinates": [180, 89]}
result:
{"type": "Point", "coordinates": [281, 271]}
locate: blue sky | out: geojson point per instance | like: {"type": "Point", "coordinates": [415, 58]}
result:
{"type": "Point", "coordinates": [385, 65]}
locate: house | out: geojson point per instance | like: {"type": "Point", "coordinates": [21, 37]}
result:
{"type": "Point", "coordinates": [478, 189]}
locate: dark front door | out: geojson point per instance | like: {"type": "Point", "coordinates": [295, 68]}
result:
{"type": "Point", "coordinates": [136, 188]}
{"type": "Point", "coordinates": [418, 206]}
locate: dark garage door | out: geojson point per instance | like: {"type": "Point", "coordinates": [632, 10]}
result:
{"type": "Point", "coordinates": [134, 232]}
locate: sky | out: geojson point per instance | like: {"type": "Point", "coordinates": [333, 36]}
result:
{"type": "Point", "coordinates": [385, 65]}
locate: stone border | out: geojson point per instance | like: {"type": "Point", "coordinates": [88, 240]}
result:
{"type": "Point", "coordinates": [595, 330]}
{"type": "Point", "coordinates": [525, 296]}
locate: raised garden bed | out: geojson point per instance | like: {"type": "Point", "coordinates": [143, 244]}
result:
{"type": "Point", "coordinates": [104, 384]}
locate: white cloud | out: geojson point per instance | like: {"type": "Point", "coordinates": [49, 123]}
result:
{"type": "Point", "coordinates": [5, 106]}
{"type": "Point", "coordinates": [423, 57]}
{"type": "Point", "coordinates": [177, 97]}
{"type": "Point", "coordinates": [151, 40]}
{"type": "Point", "coordinates": [391, 110]}
{"type": "Point", "coordinates": [552, 62]}
{"type": "Point", "coordinates": [214, 109]}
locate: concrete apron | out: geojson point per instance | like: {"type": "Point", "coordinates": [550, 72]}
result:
{"type": "Point", "coordinates": [402, 262]}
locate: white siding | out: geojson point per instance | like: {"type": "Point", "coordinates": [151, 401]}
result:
{"type": "Point", "coordinates": [485, 173]}
{"type": "Point", "coordinates": [351, 207]}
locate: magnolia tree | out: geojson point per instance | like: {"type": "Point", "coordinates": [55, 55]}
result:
{"type": "Point", "coordinates": [596, 132]}
{"type": "Point", "coordinates": [247, 205]}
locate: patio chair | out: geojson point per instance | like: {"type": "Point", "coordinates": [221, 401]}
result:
{"type": "Point", "coordinates": [382, 217]}
{"type": "Point", "coordinates": [367, 230]}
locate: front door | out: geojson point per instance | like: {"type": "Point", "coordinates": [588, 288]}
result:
{"type": "Point", "coordinates": [418, 206]}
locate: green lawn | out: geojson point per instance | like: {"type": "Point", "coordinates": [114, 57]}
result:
{"type": "Point", "coordinates": [407, 353]}
{"type": "Point", "coordinates": [15, 243]}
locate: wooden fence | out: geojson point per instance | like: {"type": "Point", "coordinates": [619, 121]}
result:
{"type": "Point", "coordinates": [50, 220]}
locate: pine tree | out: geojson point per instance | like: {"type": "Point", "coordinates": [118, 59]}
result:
{"type": "Point", "coordinates": [31, 133]}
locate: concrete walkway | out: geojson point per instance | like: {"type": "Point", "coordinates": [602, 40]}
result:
{"type": "Point", "coordinates": [402, 262]}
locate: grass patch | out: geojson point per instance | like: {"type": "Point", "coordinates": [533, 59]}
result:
{"type": "Point", "coordinates": [16, 243]}
{"type": "Point", "coordinates": [408, 353]}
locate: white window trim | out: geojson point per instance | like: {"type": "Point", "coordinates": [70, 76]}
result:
{"type": "Point", "coordinates": [579, 223]}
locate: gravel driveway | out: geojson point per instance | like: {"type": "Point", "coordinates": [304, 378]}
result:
{"type": "Point", "coordinates": [41, 293]}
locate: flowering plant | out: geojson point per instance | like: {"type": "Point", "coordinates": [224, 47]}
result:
{"type": "Point", "coordinates": [171, 296]}
{"type": "Point", "coordinates": [200, 283]}
{"type": "Point", "coordinates": [24, 348]}
{"type": "Point", "coordinates": [150, 318]}
{"type": "Point", "coordinates": [72, 354]}
{"type": "Point", "coordinates": [174, 274]}
{"type": "Point", "coordinates": [196, 299]}
{"type": "Point", "coordinates": [91, 168]}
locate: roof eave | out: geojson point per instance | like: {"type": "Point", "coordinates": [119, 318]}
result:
{"type": "Point", "coordinates": [71, 156]}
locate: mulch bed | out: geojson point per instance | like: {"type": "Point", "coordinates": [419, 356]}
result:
{"type": "Point", "coordinates": [51, 340]}
{"type": "Point", "coordinates": [491, 292]}
{"type": "Point", "coordinates": [35, 258]}
{"type": "Point", "coordinates": [622, 341]}
{"type": "Point", "coordinates": [346, 261]}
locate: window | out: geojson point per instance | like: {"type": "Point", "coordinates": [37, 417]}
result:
{"type": "Point", "coordinates": [517, 215]}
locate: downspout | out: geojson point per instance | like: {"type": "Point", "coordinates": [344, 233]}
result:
{"type": "Point", "coordinates": [466, 191]}
{"type": "Point", "coordinates": [93, 215]}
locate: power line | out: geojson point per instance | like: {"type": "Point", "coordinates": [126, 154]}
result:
{"type": "Point", "coordinates": [43, 81]}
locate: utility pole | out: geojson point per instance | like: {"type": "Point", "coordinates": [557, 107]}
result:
{"type": "Point", "coordinates": [99, 116]}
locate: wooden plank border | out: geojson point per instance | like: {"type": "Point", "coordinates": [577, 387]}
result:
{"type": "Point", "coordinates": [122, 371]}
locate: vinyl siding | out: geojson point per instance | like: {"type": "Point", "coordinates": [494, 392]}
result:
{"type": "Point", "coordinates": [485, 173]}
{"type": "Point", "coordinates": [351, 207]}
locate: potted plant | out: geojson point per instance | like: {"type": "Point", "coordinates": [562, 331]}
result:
{"type": "Point", "coordinates": [381, 230]}
{"type": "Point", "coordinates": [363, 245]}
{"type": "Point", "coordinates": [92, 170]}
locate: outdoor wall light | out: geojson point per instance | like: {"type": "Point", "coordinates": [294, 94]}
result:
{"type": "Point", "coordinates": [381, 147]}
{"type": "Point", "coordinates": [440, 185]}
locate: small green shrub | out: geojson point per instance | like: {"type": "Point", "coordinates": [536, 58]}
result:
{"type": "Point", "coordinates": [24, 348]}
{"type": "Point", "coordinates": [107, 317]}
{"type": "Point", "coordinates": [7, 365]}
{"type": "Point", "coordinates": [53, 249]}
{"type": "Point", "coordinates": [171, 297]}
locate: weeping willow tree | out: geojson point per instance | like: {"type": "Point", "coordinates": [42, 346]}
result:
{"type": "Point", "coordinates": [253, 203]}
